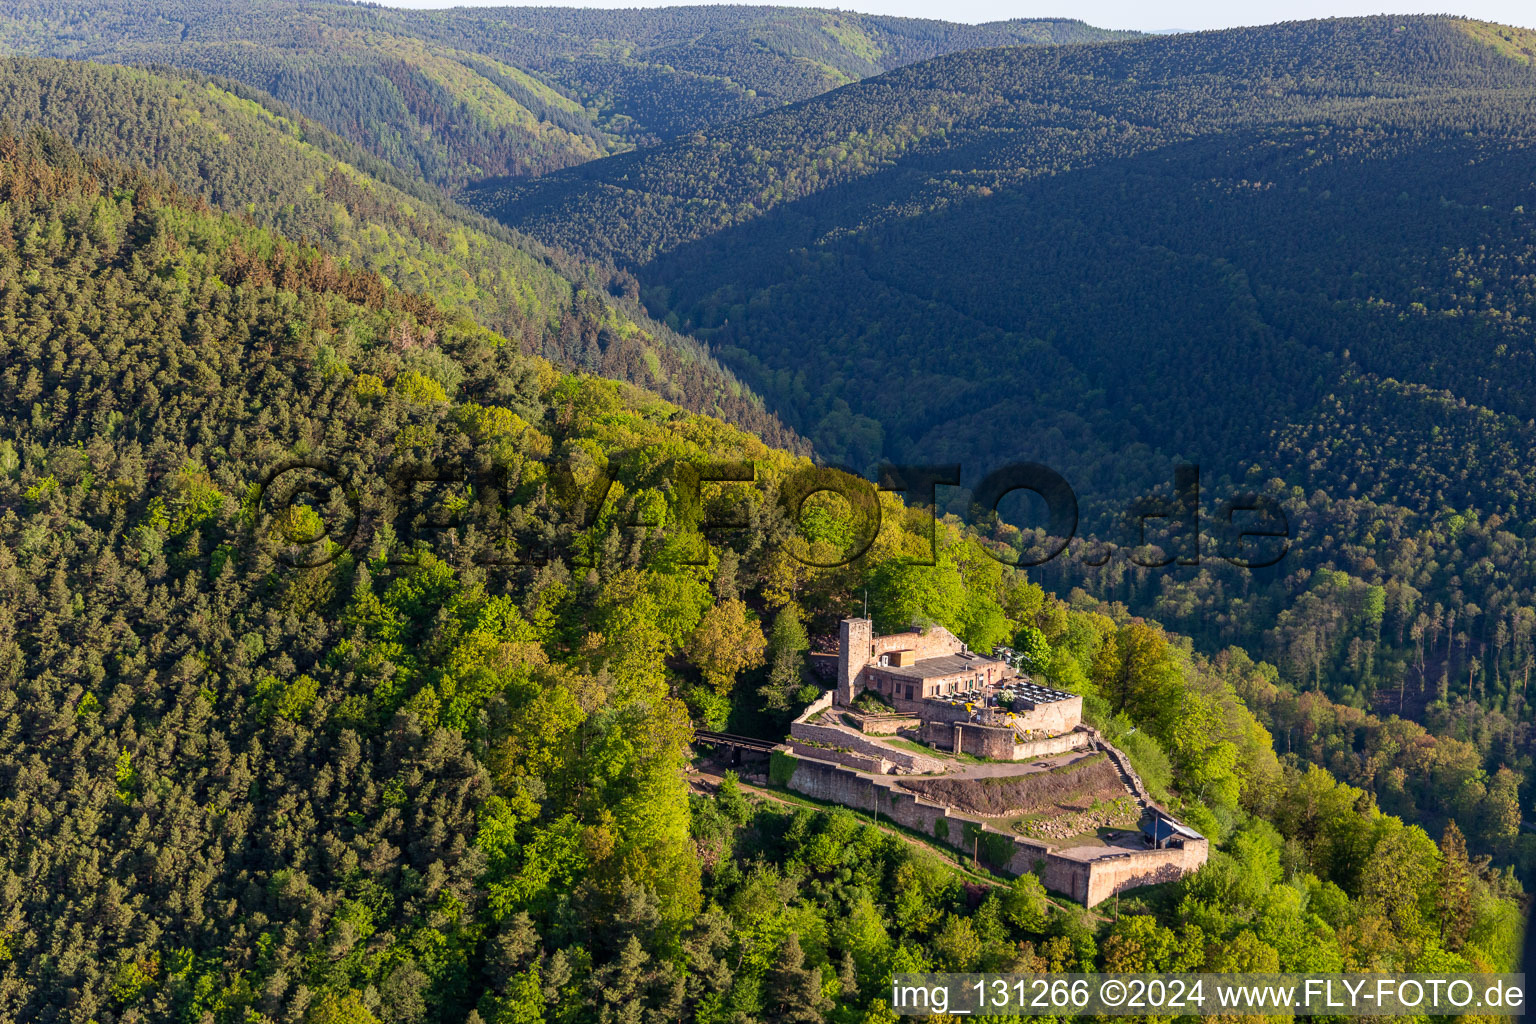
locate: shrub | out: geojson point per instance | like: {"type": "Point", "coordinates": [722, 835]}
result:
{"type": "Point", "coordinates": [781, 767]}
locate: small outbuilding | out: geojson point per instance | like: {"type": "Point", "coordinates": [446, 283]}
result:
{"type": "Point", "coordinates": [1159, 833]}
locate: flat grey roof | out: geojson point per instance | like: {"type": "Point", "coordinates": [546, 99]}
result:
{"type": "Point", "coordinates": [943, 665]}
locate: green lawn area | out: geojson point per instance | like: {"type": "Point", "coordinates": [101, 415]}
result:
{"type": "Point", "coordinates": [918, 748]}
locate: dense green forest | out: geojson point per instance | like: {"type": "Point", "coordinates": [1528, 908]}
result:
{"type": "Point", "coordinates": [264, 765]}
{"type": "Point", "coordinates": [246, 154]}
{"type": "Point", "coordinates": [458, 95]}
{"type": "Point", "coordinates": [1299, 256]}
{"type": "Point", "coordinates": [360, 595]}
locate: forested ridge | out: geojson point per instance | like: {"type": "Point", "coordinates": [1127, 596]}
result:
{"type": "Point", "coordinates": [454, 96]}
{"type": "Point", "coordinates": [415, 782]}
{"type": "Point", "coordinates": [355, 625]}
{"type": "Point", "coordinates": [248, 154]}
{"type": "Point", "coordinates": [1299, 256]}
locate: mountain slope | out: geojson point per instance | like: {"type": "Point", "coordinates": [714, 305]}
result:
{"type": "Point", "coordinates": [458, 95]}
{"type": "Point", "coordinates": [1297, 255]}
{"type": "Point", "coordinates": [242, 152]}
{"type": "Point", "coordinates": [1061, 222]}
{"type": "Point", "coordinates": [207, 813]}
{"type": "Point", "coordinates": [284, 744]}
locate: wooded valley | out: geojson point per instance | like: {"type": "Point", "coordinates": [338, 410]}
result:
{"type": "Point", "coordinates": [360, 598]}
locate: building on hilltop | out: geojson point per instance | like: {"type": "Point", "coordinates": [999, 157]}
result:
{"type": "Point", "coordinates": [953, 701]}
{"type": "Point", "coordinates": [1160, 832]}
{"type": "Point", "coordinates": [932, 676]}
{"type": "Point", "coordinates": [911, 666]}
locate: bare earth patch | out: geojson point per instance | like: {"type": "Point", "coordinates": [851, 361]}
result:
{"type": "Point", "coordinates": [1074, 787]}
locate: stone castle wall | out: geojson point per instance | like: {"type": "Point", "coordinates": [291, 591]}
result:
{"type": "Point", "coordinates": [887, 725]}
{"type": "Point", "coordinates": [938, 711]}
{"type": "Point", "coordinates": [847, 739]}
{"type": "Point", "coordinates": [1088, 881]}
{"type": "Point", "coordinates": [1058, 716]}
{"type": "Point", "coordinates": [988, 741]}
{"type": "Point", "coordinates": [853, 759]}
{"type": "Point", "coordinates": [935, 643]}
{"type": "Point", "coordinates": [1110, 875]}
{"type": "Point", "coordinates": [1030, 749]}
{"type": "Point", "coordinates": [998, 743]}
{"type": "Point", "coordinates": [1055, 717]}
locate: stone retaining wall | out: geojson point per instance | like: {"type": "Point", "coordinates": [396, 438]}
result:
{"type": "Point", "coordinates": [1088, 881]}
{"type": "Point", "coordinates": [887, 725]}
{"type": "Point", "coordinates": [835, 736]}
{"type": "Point", "coordinates": [999, 744]}
{"type": "Point", "coordinates": [1031, 749]}
{"type": "Point", "coordinates": [856, 761]}
{"type": "Point", "coordinates": [1055, 716]}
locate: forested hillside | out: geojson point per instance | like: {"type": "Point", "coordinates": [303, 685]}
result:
{"type": "Point", "coordinates": [348, 653]}
{"type": "Point", "coordinates": [1299, 256]}
{"type": "Point", "coordinates": [246, 154]}
{"type": "Point", "coordinates": [459, 95]}
{"type": "Point", "coordinates": [1225, 193]}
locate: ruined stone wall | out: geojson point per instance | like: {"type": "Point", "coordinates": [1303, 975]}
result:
{"type": "Point", "coordinates": [819, 704]}
{"type": "Point", "coordinates": [1032, 749]}
{"type": "Point", "coordinates": [1088, 881]}
{"type": "Point", "coordinates": [977, 740]}
{"type": "Point", "coordinates": [998, 743]}
{"type": "Point", "coordinates": [1055, 717]}
{"type": "Point", "coordinates": [988, 741]}
{"type": "Point", "coordinates": [1071, 878]}
{"type": "Point", "coordinates": [887, 725]}
{"type": "Point", "coordinates": [854, 760]}
{"type": "Point", "coordinates": [937, 734]}
{"type": "Point", "coordinates": [935, 642]}
{"type": "Point", "coordinates": [847, 739]}
{"type": "Point", "coordinates": [1135, 868]}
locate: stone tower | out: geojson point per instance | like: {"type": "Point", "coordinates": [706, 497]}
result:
{"type": "Point", "coordinates": [855, 637]}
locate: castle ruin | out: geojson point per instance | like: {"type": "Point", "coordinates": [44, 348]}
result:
{"type": "Point", "coordinates": [937, 712]}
